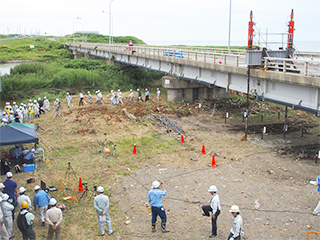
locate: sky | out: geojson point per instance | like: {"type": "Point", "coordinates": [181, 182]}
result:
{"type": "Point", "coordinates": [198, 22]}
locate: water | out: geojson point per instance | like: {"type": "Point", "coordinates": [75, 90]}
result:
{"type": "Point", "coordinates": [5, 68]}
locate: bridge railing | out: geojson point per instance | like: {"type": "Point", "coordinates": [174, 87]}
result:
{"type": "Point", "coordinates": [305, 67]}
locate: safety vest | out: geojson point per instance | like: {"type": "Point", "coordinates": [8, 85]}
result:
{"type": "Point", "coordinates": [31, 110]}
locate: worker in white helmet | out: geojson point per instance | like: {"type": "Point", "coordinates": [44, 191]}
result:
{"type": "Point", "coordinates": [237, 225]}
{"type": "Point", "coordinates": [25, 113]}
{"type": "Point", "coordinates": [14, 106]}
{"type": "Point", "coordinates": [155, 200]}
{"type": "Point", "coordinates": [7, 107]}
{"type": "Point", "coordinates": [30, 103]}
{"type": "Point", "coordinates": [54, 219]}
{"type": "Point", "coordinates": [131, 95]}
{"type": "Point", "coordinates": [46, 104]}
{"type": "Point", "coordinates": [41, 198]}
{"type": "Point", "coordinates": [7, 209]}
{"type": "Point", "coordinates": [101, 204]}
{"type": "Point", "coordinates": [147, 95]}
{"type": "Point", "coordinates": [3, 231]}
{"type": "Point", "coordinates": [30, 111]}
{"type": "Point", "coordinates": [90, 98]}
{"type": "Point", "coordinates": [22, 197]}
{"type": "Point", "coordinates": [81, 98]}
{"type": "Point", "coordinates": [158, 94]}
{"type": "Point", "coordinates": [41, 109]}
{"type": "Point", "coordinates": [113, 98]}
{"type": "Point", "coordinates": [139, 96]}
{"type": "Point", "coordinates": [119, 100]}
{"type": "Point", "coordinates": [68, 98]}
{"type": "Point", "coordinates": [214, 208]}
{"type": "Point", "coordinates": [36, 109]}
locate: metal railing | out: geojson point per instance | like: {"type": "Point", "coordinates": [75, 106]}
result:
{"type": "Point", "coordinates": [301, 66]}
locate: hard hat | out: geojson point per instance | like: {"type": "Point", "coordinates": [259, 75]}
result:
{"type": "Point", "coordinates": [88, 91]}
{"type": "Point", "coordinates": [100, 189]}
{"type": "Point", "coordinates": [7, 103]}
{"type": "Point", "coordinates": [32, 150]}
{"type": "Point", "coordinates": [5, 197]}
{"type": "Point", "coordinates": [57, 99]}
{"type": "Point", "coordinates": [155, 184]}
{"type": "Point", "coordinates": [2, 185]}
{"type": "Point", "coordinates": [67, 93]}
{"type": "Point", "coordinates": [21, 104]}
{"type": "Point", "coordinates": [24, 204]}
{"type": "Point", "coordinates": [37, 187]}
{"type": "Point", "coordinates": [111, 90]}
{"type": "Point", "coordinates": [146, 89]}
{"type": "Point", "coordinates": [34, 101]}
{"type": "Point", "coordinates": [14, 103]}
{"type": "Point", "coordinates": [138, 90]}
{"type": "Point", "coordinates": [30, 100]}
{"type": "Point", "coordinates": [130, 90]}
{"type": "Point", "coordinates": [97, 91]}
{"type": "Point", "coordinates": [9, 174]}
{"type": "Point", "coordinates": [44, 97]}
{"type": "Point", "coordinates": [11, 112]}
{"type": "Point", "coordinates": [234, 208]}
{"type": "Point", "coordinates": [118, 90]}
{"type": "Point", "coordinates": [39, 99]}
{"type": "Point", "coordinates": [212, 188]}
{"type": "Point", "coordinates": [21, 190]}
{"type": "Point", "coordinates": [157, 88]}
{"type": "Point", "coordinates": [52, 201]}
{"type": "Point", "coordinates": [21, 107]}
{"type": "Point", "coordinates": [24, 105]}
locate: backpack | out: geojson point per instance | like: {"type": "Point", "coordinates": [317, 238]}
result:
{"type": "Point", "coordinates": [22, 222]}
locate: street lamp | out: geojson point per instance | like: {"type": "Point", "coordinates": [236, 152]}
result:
{"type": "Point", "coordinates": [110, 29]}
{"type": "Point", "coordinates": [229, 28]}
{"type": "Point", "coordinates": [73, 27]}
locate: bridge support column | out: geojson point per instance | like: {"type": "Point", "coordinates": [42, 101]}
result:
{"type": "Point", "coordinates": [77, 55]}
{"type": "Point", "coordinates": [178, 90]}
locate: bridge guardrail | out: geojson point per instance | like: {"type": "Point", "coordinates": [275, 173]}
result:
{"type": "Point", "coordinates": [305, 67]}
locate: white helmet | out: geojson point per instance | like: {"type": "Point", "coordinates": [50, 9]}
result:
{"type": "Point", "coordinates": [37, 187]}
{"type": "Point", "coordinates": [39, 99]}
{"type": "Point", "coordinates": [21, 190]}
{"type": "Point", "coordinates": [57, 99]}
{"type": "Point", "coordinates": [30, 100]}
{"type": "Point", "coordinates": [138, 90]}
{"type": "Point", "coordinates": [157, 88]}
{"type": "Point", "coordinates": [9, 174]}
{"type": "Point", "coordinates": [88, 92]}
{"type": "Point", "coordinates": [146, 89]}
{"type": "Point", "coordinates": [5, 197]}
{"type": "Point", "coordinates": [32, 150]}
{"type": "Point", "coordinates": [45, 97]}
{"type": "Point", "coordinates": [14, 103]}
{"type": "Point", "coordinates": [234, 208]}
{"type": "Point", "coordinates": [67, 93]}
{"type": "Point", "coordinates": [111, 90]}
{"type": "Point", "coordinates": [97, 91]}
{"type": "Point", "coordinates": [21, 104]}
{"type": "Point", "coordinates": [34, 101]}
{"type": "Point", "coordinates": [100, 189]}
{"type": "Point", "coordinates": [118, 90]}
{"type": "Point", "coordinates": [2, 185]}
{"type": "Point", "coordinates": [7, 103]}
{"type": "Point", "coordinates": [52, 201]}
{"type": "Point", "coordinates": [155, 184]}
{"type": "Point", "coordinates": [130, 90]}
{"type": "Point", "coordinates": [212, 188]}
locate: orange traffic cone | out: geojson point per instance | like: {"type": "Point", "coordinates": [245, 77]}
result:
{"type": "Point", "coordinates": [182, 138]}
{"type": "Point", "coordinates": [203, 149]}
{"type": "Point", "coordinates": [213, 164]}
{"type": "Point", "coordinates": [80, 186]}
{"type": "Point", "coordinates": [134, 149]}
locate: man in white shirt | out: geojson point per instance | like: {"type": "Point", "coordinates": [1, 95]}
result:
{"type": "Point", "coordinates": [237, 225]}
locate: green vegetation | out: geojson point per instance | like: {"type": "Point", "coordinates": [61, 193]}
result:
{"type": "Point", "coordinates": [56, 77]}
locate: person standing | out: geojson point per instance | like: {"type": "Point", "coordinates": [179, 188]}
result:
{"type": "Point", "coordinates": [25, 113]}
{"type": "Point", "coordinates": [101, 204]}
{"type": "Point", "coordinates": [40, 102]}
{"type": "Point", "coordinates": [119, 100]}
{"type": "Point", "coordinates": [2, 186]}
{"type": "Point", "coordinates": [41, 198]}
{"type": "Point", "coordinates": [154, 198]}
{"type": "Point", "coordinates": [25, 221]}
{"type": "Point", "coordinates": [3, 231]}
{"type": "Point", "coordinates": [131, 95]}
{"type": "Point", "coordinates": [36, 109]}
{"type": "Point", "coordinates": [113, 97]}
{"type": "Point", "coordinates": [46, 104]}
{"type": "Point", "coordinates": [90, 98]}
{"type": "Point", "coordinates": [68, 98]}
{"type": "Point", "coordinates": [158, 94]}
{"type": "Point", "coordinates": [214, 208]}
{"type": "Point", "coordinates": [237, 225]}
{"type": "Point", "coordinates": [54, 219]}
{"type": "Point", "coordinates": [7, 208]}
{"type": "Point", "coordinates": [22, 197]}
{"type": "Point", "coordinates": [147, 94]}
{"type": "Point", "coordinates": [139, 95]}
{"type": "Point", "coordinates": [316, 211]}
{"type": "Point", "coordinates": [81, 98]}
{"type": "Point", "coordinates": [12, 190]}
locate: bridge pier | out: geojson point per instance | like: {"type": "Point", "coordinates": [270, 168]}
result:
{"type": "Point", "coordinates": [178, 90]}
{"type": "Point", "coordinates": [77, 55]}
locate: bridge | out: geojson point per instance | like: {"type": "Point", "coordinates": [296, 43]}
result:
{"type": "Point", "coordinates": [193, 73]}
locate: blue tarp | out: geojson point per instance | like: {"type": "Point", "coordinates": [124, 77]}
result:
{"type": "Point", "coordinates": [17, 133]}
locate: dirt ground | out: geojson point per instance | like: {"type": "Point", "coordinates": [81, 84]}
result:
{"type": "Point", "coordinates": [268, 179]}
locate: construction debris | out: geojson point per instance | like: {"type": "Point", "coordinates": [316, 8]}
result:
{"type": "Point", "coordinates": [129, 115]}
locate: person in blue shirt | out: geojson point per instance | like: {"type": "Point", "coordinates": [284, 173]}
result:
{"type": "Point", "coordinates": [12, 190]}
{"type": "Point", "coordinates": [29, 157]}
{"type": "Point", "coordinates": [147, 95]}
{"type": "Point", "coordinates": [41, 198]}
{"type": "Point", "coordinates": [155, 197]}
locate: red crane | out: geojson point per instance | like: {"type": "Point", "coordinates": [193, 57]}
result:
{"type": "Point", "coordinates": [250, 33]}
{"type": "Point", "coordinates": [290, 31]}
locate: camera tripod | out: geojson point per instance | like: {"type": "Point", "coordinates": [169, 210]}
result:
{"type": "Point", "coordinates": [69, 169]}
{"type": "Point", "coordinates": [86, 190]}
{"type": "Point", "coordinates": [38, 127]}
{"type": "Point", "coordinates": [114, 150]}
{"type": "Point", "coordinates": [57, 112]}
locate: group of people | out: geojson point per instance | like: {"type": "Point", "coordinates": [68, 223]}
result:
{"type": "Point", "coordinates": [156, 193]}
{"type": "Point", "coordinates": [23, 154]}
{"type": "Point", "coordinates": [25, 112]}
{"type": "Point", "coordinates": [12, 198]}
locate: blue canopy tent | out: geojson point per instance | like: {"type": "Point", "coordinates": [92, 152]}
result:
{"type": "Point", "coordinates": [17, 133]}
